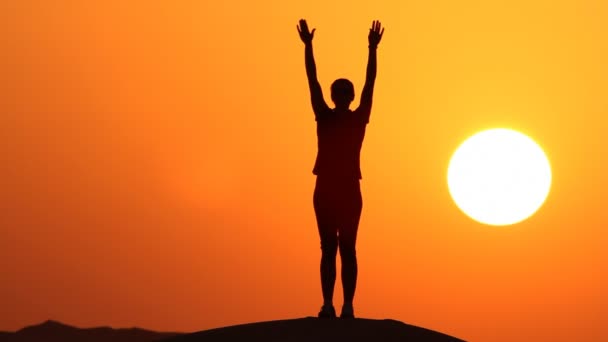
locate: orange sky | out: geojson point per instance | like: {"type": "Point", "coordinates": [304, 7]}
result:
{"type": "Point", "coordinates": [156, 158]}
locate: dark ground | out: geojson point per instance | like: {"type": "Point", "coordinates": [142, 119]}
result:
{"type": "Point", "coordinates": [292, 330]}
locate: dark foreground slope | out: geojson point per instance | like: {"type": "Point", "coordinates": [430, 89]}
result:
{"type": "Point", "coordinates": [314, 329]}
{"type": "Point", "coordinates": [51, 331]}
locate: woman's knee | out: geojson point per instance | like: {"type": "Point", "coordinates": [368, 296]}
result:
{"type": "Point", "coordinates": [329, 247]}
{"type": "Point", "coordinates": [348, 252]}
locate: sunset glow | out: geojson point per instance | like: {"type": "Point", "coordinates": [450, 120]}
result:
{"type": "Point", "coordinates": [156, 163]}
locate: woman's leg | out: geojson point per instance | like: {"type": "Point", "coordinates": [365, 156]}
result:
{"type": "Point", "coordinates": [329, 240]}
{"type": "Point", "coordinates": [350, 215]}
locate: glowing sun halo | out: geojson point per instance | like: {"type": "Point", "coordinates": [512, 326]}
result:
{"type": "Point", "coordinates": [499, 177]}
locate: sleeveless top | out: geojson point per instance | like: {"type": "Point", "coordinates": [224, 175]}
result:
{"type": "Point", "coordinates": [339, 139]}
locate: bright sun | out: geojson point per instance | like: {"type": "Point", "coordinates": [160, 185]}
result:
{"type": "Point", "coordinates": [499, 177]}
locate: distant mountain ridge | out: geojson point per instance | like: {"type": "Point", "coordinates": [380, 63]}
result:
{"type": "Point", "coordinates": [53, 331]}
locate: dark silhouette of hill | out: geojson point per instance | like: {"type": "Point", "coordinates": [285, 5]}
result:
{"type": "Point", "coordinates": [51, 331]}
{"type": "Point", "coordinates": [318, 330]}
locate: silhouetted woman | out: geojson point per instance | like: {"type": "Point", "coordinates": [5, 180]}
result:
{"type": "Point", "coordinates": [337, 196]}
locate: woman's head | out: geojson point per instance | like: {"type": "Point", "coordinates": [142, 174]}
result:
{"type": "Point", "coordinates": [342, 93]}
